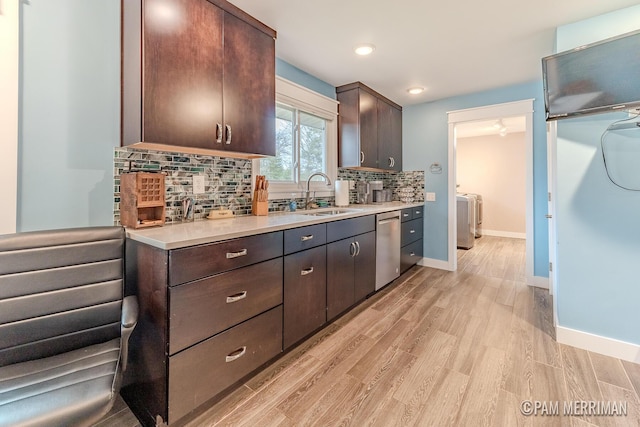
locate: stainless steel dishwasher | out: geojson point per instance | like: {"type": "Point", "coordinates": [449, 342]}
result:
{"type": "Point", "coordinates": [387, 248]}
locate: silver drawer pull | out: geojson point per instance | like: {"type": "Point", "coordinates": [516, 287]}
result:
{"type": "Point", "coordinates": [306, 271]}
{"type": "Point", "coordinates": [235, 355]}
{"type": "Point", "coordinates": [236, 297]}
{"type": "Point", "coordinates": [418, 212]}
{"type": "Point", "coordinates": [405, 215]}
{"type": "Point", "coordinates": [305, 238]}
{"type": "Point", "coordinates": [236, 254]}
{"type": "Point", "coordinates": [412, 231]}
{"type": "Point", "coordinates": [412, 254]}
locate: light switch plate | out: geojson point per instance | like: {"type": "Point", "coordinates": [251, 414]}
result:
{"type": "Point", "coordinates": [198, 184]}
{"type": "Point", "coordinates": [431, 197]}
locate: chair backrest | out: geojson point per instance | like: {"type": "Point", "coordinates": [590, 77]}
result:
{"type": "Point", "coordinates": [59, 290]}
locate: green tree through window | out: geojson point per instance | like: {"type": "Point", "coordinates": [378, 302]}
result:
{"type": "Point", "coordinates": [300, 146]}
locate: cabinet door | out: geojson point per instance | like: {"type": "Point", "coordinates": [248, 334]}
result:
{"type": "Point", "coordinates": [249, 88]}
{"type": "Point", "coordinates": [396, 139]}
{"type": "Point", "coordinates": [182, 77]}
{"type": "Point", "coordinates": [389, 137]}
{"type": "Point", "coordinates": [368, 130]}
{"type": "Point", "coordinates": [364, 273]}
{"type": "Point", "coordinates": [340, 275]}
{"type": "Point", "coordinates": [305, 293]}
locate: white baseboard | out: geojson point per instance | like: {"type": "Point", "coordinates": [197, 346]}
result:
{"type": "Point", "coordinates": [436, 263]}
{"type": "Point", "coordinates": [598, 344]}
{"type": "Point", "coordinates": [538, 282]}
{"type": "Point", "coordinates": [498, 233]}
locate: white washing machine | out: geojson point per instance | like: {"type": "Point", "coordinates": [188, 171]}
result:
{"type": "Point", "coordinates": [466, 220]}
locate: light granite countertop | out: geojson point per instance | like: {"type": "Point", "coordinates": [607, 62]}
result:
{"type": "Point", "coordinates": [181, 235]}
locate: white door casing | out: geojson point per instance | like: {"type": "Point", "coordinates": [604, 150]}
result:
{"type": "Point", "coordinates": [491, 112]}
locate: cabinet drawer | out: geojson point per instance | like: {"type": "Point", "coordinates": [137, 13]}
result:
{"type": "Point", "coordinates": [406, 214]}
{"type": "Point", "coordinates": [411, 231]}
{"type": "Point", "coordinates": [418, 212]}
{"type": "Point", "coordinates": [196, 262]}
{"type": "Point", "coordinates": [201, 372]}
{"type": "Point", "coordinates": [200, 309]}
{"type": "Point", "coordinates": [299, 239]}
{"type": "Point", "coordinates": [338, 230]}
{"type": "Point", "coordinates": [410, 255]}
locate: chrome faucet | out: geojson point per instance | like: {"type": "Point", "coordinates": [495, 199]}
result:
{"type": "Point", "coordinates": [310, 199]}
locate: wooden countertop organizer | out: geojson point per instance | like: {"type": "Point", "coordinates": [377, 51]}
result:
{"type": "Point", "coordinates": [142, 199]}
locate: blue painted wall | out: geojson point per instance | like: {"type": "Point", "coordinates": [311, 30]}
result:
{"type": "Point", "coordinates": [425, 141]}
{"type": "Point", "coordinates": [597, 222]}
{"type": "Point", "coordinates": [296, 75]}
{"type": "Point", "coordinates": [69, 112]}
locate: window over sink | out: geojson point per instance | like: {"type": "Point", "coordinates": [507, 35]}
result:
{"type": "Point", "coordinates": [306, 141]}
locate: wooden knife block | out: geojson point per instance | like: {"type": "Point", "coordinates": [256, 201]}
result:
{"type": "Point", "coordinates": [142, 200]}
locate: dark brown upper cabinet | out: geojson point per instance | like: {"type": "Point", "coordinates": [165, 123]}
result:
{"type": "Point", "coordinates": [198, 76]}
{"type": "Point", "coordinates": [370, 129]}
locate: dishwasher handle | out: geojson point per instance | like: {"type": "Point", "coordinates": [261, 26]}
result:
{"type": "Point", "coordinates": [387, 221]}
{"type": "Point", "coordinates": [386, 217]}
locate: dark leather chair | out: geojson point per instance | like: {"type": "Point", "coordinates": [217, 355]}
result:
{"type": "Point", "coordinates": [64, 325]}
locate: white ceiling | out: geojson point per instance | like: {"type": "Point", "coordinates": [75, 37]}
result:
{"type": "Point", "coordinates": [448, 47]}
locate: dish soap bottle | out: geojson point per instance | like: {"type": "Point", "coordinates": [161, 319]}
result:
{"type": "Point", "coordinates": [292, 203]}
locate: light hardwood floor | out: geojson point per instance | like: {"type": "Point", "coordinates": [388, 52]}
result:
{"type": "Point", "coordinates": [434, 348]}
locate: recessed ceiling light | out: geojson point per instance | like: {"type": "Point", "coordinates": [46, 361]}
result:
{"type": "Point", "coordinates": [415, 90]}
{"type": "Point", "coordinates": [364, 49]}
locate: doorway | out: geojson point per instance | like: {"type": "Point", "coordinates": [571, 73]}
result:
{"type": "Point", "coordinates": [492, 112]}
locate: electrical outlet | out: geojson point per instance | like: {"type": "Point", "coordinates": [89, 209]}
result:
{"type": "Point", "coordinates": [198, 184]}
{"type": "Point", "coordinates": [431, 197]}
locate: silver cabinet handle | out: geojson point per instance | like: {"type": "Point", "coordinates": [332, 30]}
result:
{"type": "Point", "coordinates": [230, 255]}
{"type": "Point", "coordinates": [228, 132]}
{"type": "Point", "coordinates": [405, 215]}
{"type": "Point", "coordinates": [412, 231]}
{"type": "Point", "coordinates": [418, 212]}
{"type": "Point", "coordinates": [218, 133]}
{"type": "Point", "coordinates": [237, 354]}
{"type": "Point", "coordinates": [236, 297]}
{"type": "Point", "coordinates": [361, 157]}
{"type": "Point", "coordinates": [390, 162]}
{"type": "Point", "coordinates": [357, 248]}
{"type": "Point", "coordinates": [305, 238]}
{"type": "Point", "coordinates": [412, 254]}
{"type": "Point", "coordinates": [306, 271]}
{"type": "Point", "coordinates": [352, 249]}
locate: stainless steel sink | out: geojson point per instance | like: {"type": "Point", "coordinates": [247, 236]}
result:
{"type": "Point", "coordinates": [327, 212]}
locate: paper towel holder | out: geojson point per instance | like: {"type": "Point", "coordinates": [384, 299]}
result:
{"type": "Point", "coordinates": [341, 187]}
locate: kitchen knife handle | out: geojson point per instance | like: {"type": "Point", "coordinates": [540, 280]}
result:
{"type": "Point", "coordinates": [231, 255]}
{"type": "Point", "coordinates": [236, 297]}
{"type": "Point", "coordinates": [237, 354]}
{"type": "Point", "coordinates": [306, 271]}
{"type": "Point", "coordinates": [218, 133]}
{"type": "Point", "coordinates": [305, 238]}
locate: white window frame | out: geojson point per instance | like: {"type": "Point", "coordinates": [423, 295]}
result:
{"type": "Point", "coordinates": [306, 100]}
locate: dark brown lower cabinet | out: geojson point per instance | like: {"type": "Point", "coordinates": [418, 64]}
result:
{"type": "Point", "coordinates": [350, 272]}
{"type": "Point", "coordinates": [305, 293]}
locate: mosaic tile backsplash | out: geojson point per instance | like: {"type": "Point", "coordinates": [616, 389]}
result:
{"type": "Point", "coordinates": [228, 181]}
